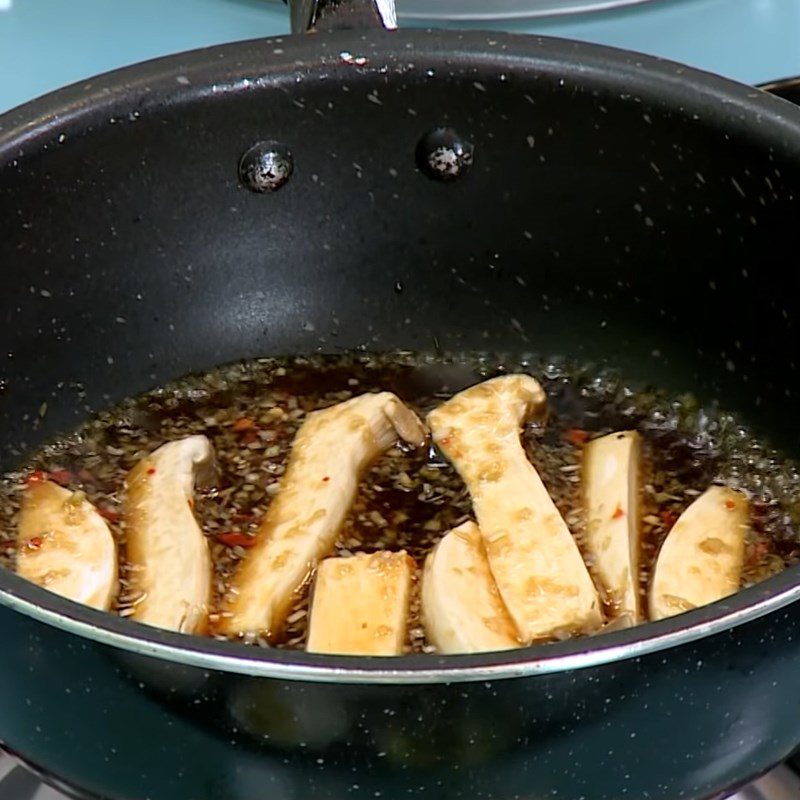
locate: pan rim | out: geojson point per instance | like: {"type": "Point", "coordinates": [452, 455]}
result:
{"type": "Point", "coordinates": [747, 605]}
{"type": "Point", "coordinates": [155, 81]}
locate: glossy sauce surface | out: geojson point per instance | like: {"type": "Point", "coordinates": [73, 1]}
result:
{"type": "Point", "coordinates": [409, 499]}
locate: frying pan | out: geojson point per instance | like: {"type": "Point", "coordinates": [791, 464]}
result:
{"type": "Point", "coordinates": [284, 196]}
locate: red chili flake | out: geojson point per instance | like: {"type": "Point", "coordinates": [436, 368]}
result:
{"type": "Point", "coordinates": [576, 436]}
{"type": "Point", "coordinates": [249, 436]}
{"type": "Point", "coordinates": [61, 476]}
{"type": "Point", "coordinates": [191, 503]}
{"type": "Point", "coordinates": [760, 549]}
{"type": "Point", "coordinates": [729, 504]}
{"type": "Point", "coordinates": [109, 514]}
{"type": "Point", "coordinates": [36, 477]}
{"type": "Point", "coordinates": [243, 424]}
{"type": "Point", "coordinates": [35, 542]}
{"type": "Point", "coordinates": [326, 479]}
{"type": "Point", "coordinates": [151, 471]}
{"type": "Point", "coordinates": [618, 513]}
{"type": "Point", "coordinates": [669, 518]}
{"type": "Point", "coordinates": [235, 539]}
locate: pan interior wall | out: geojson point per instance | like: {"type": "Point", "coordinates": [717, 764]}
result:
{"type": "Point", "coordinates": [593, 223]}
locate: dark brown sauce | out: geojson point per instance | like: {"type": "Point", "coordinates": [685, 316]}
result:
{"type": "Point", "coordinates": [409, 499]}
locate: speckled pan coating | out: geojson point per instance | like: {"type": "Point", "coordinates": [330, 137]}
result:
{"type": "Point", "coordinates": [617, 209]}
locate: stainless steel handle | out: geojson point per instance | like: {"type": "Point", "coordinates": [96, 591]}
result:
{"type": "Point", "coordinates": [322, 15]}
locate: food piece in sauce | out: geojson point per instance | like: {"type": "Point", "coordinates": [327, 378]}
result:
{"type": "Point", "coordinates": [537, 565]}
{"type": "Point", "coordinates": [702, 557]}
{"type": "Point", "coordinates": [65, 545]}
{"type": "Point", "coordinates": [329, 453]}
{"type": "Point", "coordinates": [168, 553]}
{"type": "Point", "coordinates": [360, 605]}
{"type": "Point", "coordinates": [611, 469]}
{"type": "Point", "coordinates": [461, 608]}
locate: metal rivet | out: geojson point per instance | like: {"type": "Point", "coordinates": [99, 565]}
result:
{"type": "Point", "coordinates": [265, 167]}
{"type": "Point", "coordinates": [444, 155]}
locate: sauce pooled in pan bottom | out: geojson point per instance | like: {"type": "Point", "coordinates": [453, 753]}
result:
{"type": "Point", "coordinates": [539, 502]}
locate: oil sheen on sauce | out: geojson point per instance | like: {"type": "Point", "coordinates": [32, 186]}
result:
{"type": "Point", "coordinates": [409, 499]}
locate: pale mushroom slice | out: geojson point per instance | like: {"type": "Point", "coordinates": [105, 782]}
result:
{"type": "Point", "coordinates": [167, 551]}
{"type": "Point", "coordinates": [702, 557]}
{"type": "Point", "coordinates": [64, 545]}
{"type": "Point", "coordinates": [330, 451]}
{"type": "Point", "coordinates": [360, 605]}
{"type": "Point", "coordinates": [611, 474]}
{"type": "Point", "coordinates": [539, 571]}
{"type": "Point", "coordinates": [461, 608]}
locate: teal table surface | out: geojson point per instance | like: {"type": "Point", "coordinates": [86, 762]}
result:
{"type": "Point", "coordinates": [45, 44]}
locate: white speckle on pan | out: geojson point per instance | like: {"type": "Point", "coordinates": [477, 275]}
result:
{"type": "Point", "coordinates": [531, 141]}
{"type": "Point", "coordinates": [348, 58]}
{"type": "Point", "coordinates": [183, 80]}
{"type": "Point", "coordinates": [479, 86]}
{"type": "Point", "coordinates": [738, 187]}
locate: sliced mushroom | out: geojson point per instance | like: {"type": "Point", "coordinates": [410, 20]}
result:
{"type": "Point", "coordinates": [167, 551]}
{"type": "Point", "coordinates": [65, 545]}
{"type": "Point", "coordinates": [537, 565]}
{"type": "Point", "coordinates": [611, 467]}
{"type": "Point", "coordinates": [461, 608]}
{"type": "Point", "coordinates": [360, 605]}
{"type": "Point", "coordinates": [702, 557]}
{"type": "Point", "coordinates": [329, 453]}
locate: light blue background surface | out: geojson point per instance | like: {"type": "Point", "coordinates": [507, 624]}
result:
{"type": "Point", "coordinates": [48, 43]}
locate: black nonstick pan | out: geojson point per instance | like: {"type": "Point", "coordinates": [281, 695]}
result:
{"type": "Point", "coordinates": [270, 197]}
